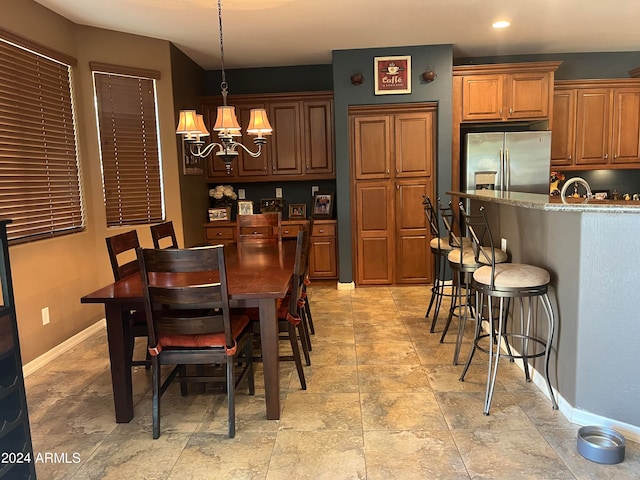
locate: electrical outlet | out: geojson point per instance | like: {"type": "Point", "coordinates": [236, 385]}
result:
{"type": "Point", "coordinates": [314, 189]}
{"type": "Point", "coordinates": [278, 192]}
{"type": "Point", "coordinates": [241, 194]}
{"type": "Point", "coordinates": [503, 245]}
{"type": "Point", "coordinates": [45, 316]}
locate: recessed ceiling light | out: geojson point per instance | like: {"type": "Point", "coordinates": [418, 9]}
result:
{"type": "Point", "coordinates": [501, 24]}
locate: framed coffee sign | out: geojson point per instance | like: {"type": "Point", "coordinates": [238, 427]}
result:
{"type": "Point", "coordinates": [392, 75]}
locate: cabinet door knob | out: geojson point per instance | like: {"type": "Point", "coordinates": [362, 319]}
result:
{"type": "Point", "coordinates": [510, 111]}
{"type": "Point", "coordinates": [321, 231]}
{"type": "Point", "coordinates": [615, 155]}
{"type": "Point", "coordinates": [219, 234]}
{"type": "Point", "coordinates": [606, 156]}
{"type": "Point", "coordinates": [570, 157]}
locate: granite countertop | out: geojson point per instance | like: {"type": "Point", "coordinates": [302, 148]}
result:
{"type": "Point", "coordinates": [550, 203]}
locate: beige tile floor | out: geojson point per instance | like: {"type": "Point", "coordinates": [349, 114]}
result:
{"type": "Point", "coordinates": [383, 402]}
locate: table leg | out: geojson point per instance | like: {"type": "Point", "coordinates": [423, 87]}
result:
{"type": "Point", "coordinates": [118, 332]}
{"type": "Point", "coordinates": [270, 356]}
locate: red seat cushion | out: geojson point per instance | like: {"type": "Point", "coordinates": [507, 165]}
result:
{"type": "Point", "coordinates": [238, 324]}
{"type": "Point", "coordinates": [283, 311]}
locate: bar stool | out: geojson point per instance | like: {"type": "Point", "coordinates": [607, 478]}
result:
{"type": "Point", "coordinates": [440, 248]}
{"type": "Point", "coordinates": [463, 264]}
{"type": "Point", "coordinates": [504, 281]}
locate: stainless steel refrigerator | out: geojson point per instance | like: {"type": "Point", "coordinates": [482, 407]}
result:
{"type": "Point", "coordinates": [514, 161]}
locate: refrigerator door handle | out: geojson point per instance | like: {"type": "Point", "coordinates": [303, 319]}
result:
{"type": "Point", "coordinates": [507, 168]}
{"type": "Point", "coordinates": [501, 185]}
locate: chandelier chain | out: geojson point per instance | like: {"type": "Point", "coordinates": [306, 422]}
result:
{"type": "Point", "coordinates": [223, 84]}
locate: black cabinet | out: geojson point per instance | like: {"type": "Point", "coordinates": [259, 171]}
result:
{"type": "Point", "coordinates": [16, 451]}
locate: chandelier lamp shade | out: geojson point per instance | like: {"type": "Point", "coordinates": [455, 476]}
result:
{"type": "Point", "coordinates": [192, 128]}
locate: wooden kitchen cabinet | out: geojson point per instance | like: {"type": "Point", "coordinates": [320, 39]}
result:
{"type": "Point", "coordinates": [506, 92]}
{"type": "Point", "coordinates": [599, 127]}
{"type": "Point", "coordinates": [323, 257]}
{"type": "Point", "coordinates": [392, 155]}
{"type": "Point", "coordinates": [219, 232]}
{"type": "Point", "coordinates": [300, 148]}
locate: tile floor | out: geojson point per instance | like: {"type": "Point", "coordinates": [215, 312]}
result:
{"type": "Point", "coordinates": [383, 402]}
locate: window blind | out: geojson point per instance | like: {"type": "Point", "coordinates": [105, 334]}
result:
{"type": "Point", "coordinates": [129, 149]}
{"type": "Point", "coordinates": [39, 174]}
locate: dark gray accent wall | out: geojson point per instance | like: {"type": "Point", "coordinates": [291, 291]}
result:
{"type": "Point", "coordinates": [438, 58]}
{"type": "Point", "coordinates": [300, 78]}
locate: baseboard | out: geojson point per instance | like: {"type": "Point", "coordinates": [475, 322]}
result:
{"type": "Point", "coordinates": [571, 413]}
{"type": "Point", "coordinates": [346, 286]}
{"type": "Point", "coordinates": [65, 346]}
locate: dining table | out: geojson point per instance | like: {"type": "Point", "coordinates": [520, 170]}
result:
{"type": "Point", "coordinates": [258, 274]}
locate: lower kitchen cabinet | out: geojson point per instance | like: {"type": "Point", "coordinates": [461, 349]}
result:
{"type": "Point", "coordinates": [323, 258]}
{"type": "Point", "coordinates": [323, 261]}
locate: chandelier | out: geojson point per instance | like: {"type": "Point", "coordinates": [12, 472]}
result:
{"type": "Point", "coordinates": [191, 124]}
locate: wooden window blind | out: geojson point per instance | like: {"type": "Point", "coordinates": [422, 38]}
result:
{"type": "Point", "coordinates": [39, 174]}
{"type": "Point", "coordinates": [129, 148]}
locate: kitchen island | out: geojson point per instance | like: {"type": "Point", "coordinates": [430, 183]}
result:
{"type": "Point", "coordinates": [590, 250]}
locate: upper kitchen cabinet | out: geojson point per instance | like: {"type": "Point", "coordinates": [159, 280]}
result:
{"type": "Point", "coordinates": [596, 124]}
{"type": "Point", "coordinates": [505, 92]}
{"type": "Point", "coordinates": [300, 148]}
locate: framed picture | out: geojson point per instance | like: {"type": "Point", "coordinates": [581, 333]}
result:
{"type": "Point", "coordinates": [271, 205]}
{"type": "Point", "coordinates": [323, 205]}
{"type": "Point", "coordinates": [601, 194]}
{"type": "Point", "coordinates": [392, 75]}
{"type": "Point", "coordinates": [297, 210]}
{"type": "Point", "coordinates": [221, 213]}
{"type": "Point", "coordinates": [245, 207]}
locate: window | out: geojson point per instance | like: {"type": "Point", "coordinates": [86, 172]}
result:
{"type": "Point", "coordinates": [129, 147]}
{"type": "Point", "coordinates": [39, 174]}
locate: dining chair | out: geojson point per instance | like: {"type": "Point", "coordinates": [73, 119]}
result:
{"type": "Point", "coordinates": [122, 255]}
{"type": "Point", "coordinates": [161, 232]}
{"type": "Point", "coordinates": [307, 319]}
{"type": "Point", "coordinates": [190, 323]}
{"type": "Point", "coordinates": [260, 226]}
{"type": "Point", "coordinates": [290, 325]}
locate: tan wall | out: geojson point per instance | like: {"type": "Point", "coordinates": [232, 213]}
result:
{"type": "Point", "coordinates": [56, 272]}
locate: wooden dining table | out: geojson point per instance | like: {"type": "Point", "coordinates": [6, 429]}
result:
{"type": "Point", "coordinates": [258, 273]}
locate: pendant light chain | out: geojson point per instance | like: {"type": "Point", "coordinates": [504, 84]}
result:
{"type": "Point", "coordinates": [223, 84]}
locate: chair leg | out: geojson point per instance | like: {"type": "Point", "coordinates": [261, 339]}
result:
{"type": "Point", "coordinates": [231, 396]}
{"type": "Point", "coordinates": [455, 294]}
{"type": "Point", "coordinates": [155, 403]}
{"type": "Point", "coordinates": [306, 340]}
{"type": "Point", "coordinates": [307, 311]}
{"type": "Point", "coordinates": [434, 289]}
{"type": "Point", "coordinates": [296, 354]}
{"type": "Point", "coordinates": [546, 303]}
{"type": "Point", "coordinates": [303, 333]}
{"type": "Point", "coordinates": [492, 372]}
{"type": "Point", "coordinates": [248, 354]}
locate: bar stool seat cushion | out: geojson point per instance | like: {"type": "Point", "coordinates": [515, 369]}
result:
{"type": "Point", "coordinates": [468, 258]}
{"type": "Point", "coordinates": [513, 275]}
{"type": "Point", "coordinates": [441, 244]}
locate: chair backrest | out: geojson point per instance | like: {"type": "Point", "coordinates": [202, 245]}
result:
{"type": "Point", "coordinates": [260, 226]}
{"type": "Point", "coordinates": [162, 231]}
{"type": "Point", "coordinates": [122, 248]}
{"type": "Point", "coordinates": [194, 303]}
{"type": "Point", "coordinates": [299, 268]}
{"type": "Point", "coordinates": [451, 224]}
{"type": "Point", "coordinates": [479, 232]}
{"type": "Point", "coordinates": [432, 217]}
